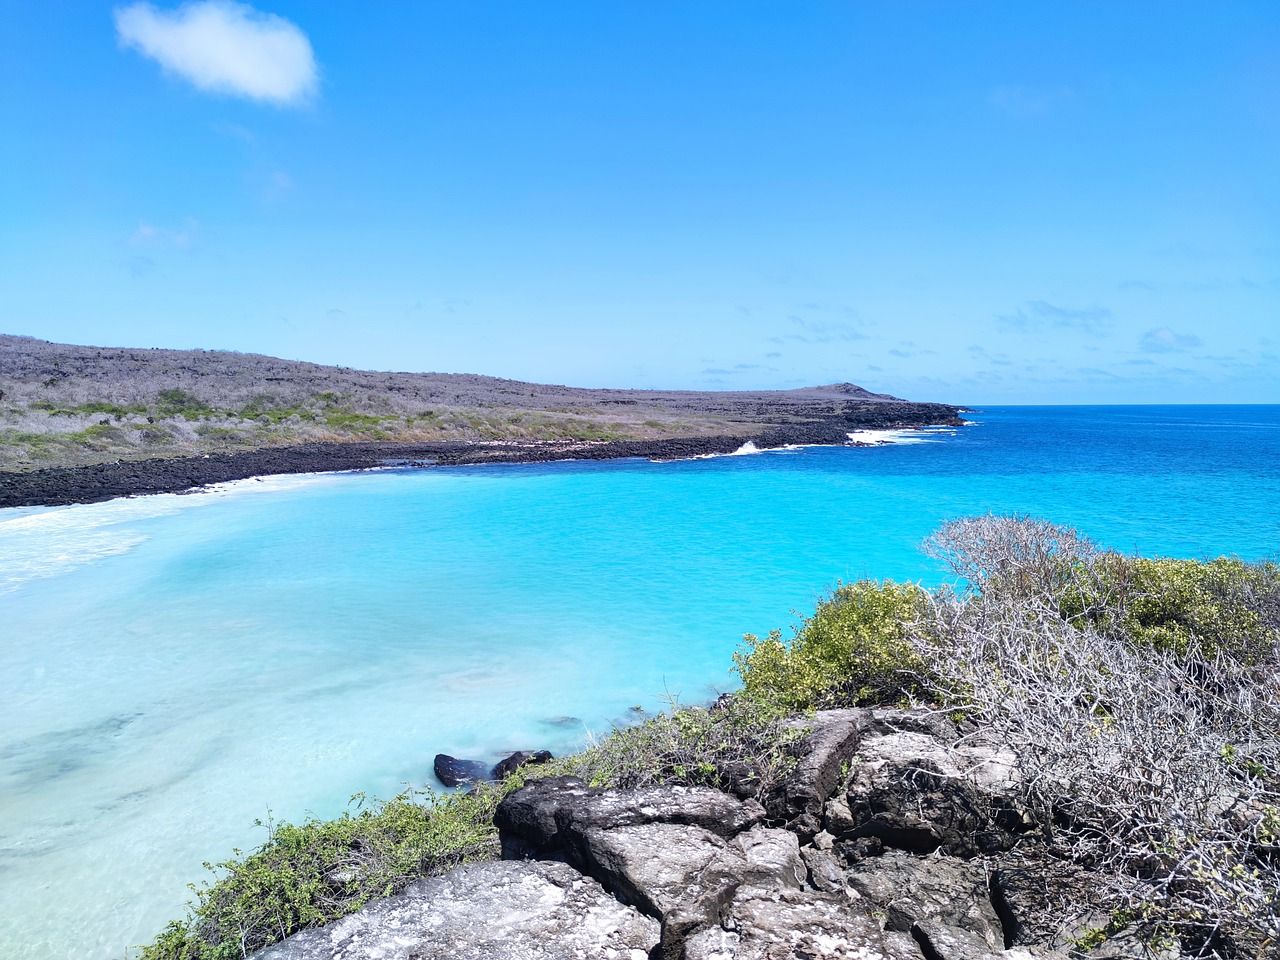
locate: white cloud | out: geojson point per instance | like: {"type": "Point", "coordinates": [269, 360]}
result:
{"type": "Point", "coordinates": [1164, 340]}
{"type": "Point", "coordinates": [224, 47]}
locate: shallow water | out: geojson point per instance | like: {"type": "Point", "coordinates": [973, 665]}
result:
{"type": "Point", "coordinates": [177, 666]}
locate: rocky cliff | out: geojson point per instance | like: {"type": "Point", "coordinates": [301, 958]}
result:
{"type": "Point", "coordinates": [894, 839]}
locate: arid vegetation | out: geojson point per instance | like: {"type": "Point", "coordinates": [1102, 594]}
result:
{"type": "Point", "coordinates": [63, 405]}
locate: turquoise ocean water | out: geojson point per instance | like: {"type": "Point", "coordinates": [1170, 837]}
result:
{"type": "Point", "coordinates": [175, 667]}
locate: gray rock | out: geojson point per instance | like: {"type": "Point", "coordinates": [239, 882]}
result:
{"type": "Point", "coordinates": [543, 818]}
{"type": "Point", "coordinates": [772, 856]}
{"type": "Point", "coordinates": [680, 874]}
{"type": "Point", "coordinates": [933, 723]}
{"type": "Point", "coordinates": [825, 871]}
{"type": "Point", "coordinates": [945, 899]}
{"type": "Point", "coordinates": [823, 841]}
{"type": "Point", "coordinates": [825, 753]}
{"type": "Point", "coordinates": [952, 943]}
{"type": "Point", "coordinates": [490, 911]}
{"type": "Point", "coordinates": [917, 793]}
{"type": "Point", "coordinates": [677, 853]}
{"type": "Point", "coordinates": [837, 819]}
{"type": "Point", "coordinates": [769, 923]}
{"type": "Point", "coordinates": [684, 875]}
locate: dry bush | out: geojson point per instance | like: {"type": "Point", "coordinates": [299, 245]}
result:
{"type": "Point", "coordinates": [1157, 768]}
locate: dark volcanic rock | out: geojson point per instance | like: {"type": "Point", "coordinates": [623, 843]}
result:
{"type": "Point", "coordinates": [941, 898]}
{"type": "Point", "coordinates": [103, 481]}
{"type": "Point", "coordinates": [911, 790]}
{"type": "Point", "coordinates": [505, 768]}
{"type": "Point", "coordinates": [546, 818]}
{"type": "Point", "coordinates": [491, 911]}
{"type": "Point", "coordinates": [678, 853]}
{"type": "Point", "coordinates": [830, 744]}
{"type": "Point", "coordinates": [453, 772]}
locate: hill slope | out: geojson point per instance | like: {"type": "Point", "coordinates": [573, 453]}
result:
{"type": "Point", "coordinates": [62, 404]}
{"type": "Point", "coordinates": [86, 423]}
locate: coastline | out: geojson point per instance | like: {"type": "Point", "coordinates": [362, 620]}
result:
{"type": "Point", "coordinates": [93, 483]}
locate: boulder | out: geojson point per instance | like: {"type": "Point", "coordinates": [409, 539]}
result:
{"type": "Point", "coordinates": [453, 772]}
{"type": "Point", "coordinates": [942, 900]}
{"type": "Point", "coordinates": [677, 853]}
{"type": "Point", "coordinates": [680, 874]}
{"type": "Point", "coordinates": [824, 870]}
{"type": "Point", "coordinates": [772, 856]}
{"type": "Point", "coordinates": [916, 792]}
{"type": "Point", "coordinates": [491, 911]}
{"type": "Point", "coordinates": [505, 768]}
{"type": "Point", "coordinates": [684, 875]}
{"type": "Point", "coordinates": [772, 923]}
{"type": "Point", "coordinates": [543, 818]}
{"type": "Point", "coordinates": [829, 744]}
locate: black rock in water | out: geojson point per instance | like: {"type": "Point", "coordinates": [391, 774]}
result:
{"type": "Point", "coordinates": [507, 767]}
{"type": "Point", "coordinates": [453, 772]}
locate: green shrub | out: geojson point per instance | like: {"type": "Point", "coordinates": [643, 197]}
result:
{"type": "Point", "coordinates": [741, 744]}
{"type": "Point", "coordinates": [853, 650]}
{"type": "Point", "coordinates": [349, 420]}
{"type": "Point", "coordinates": [176, 402]}
{"type": "Point", "coordinates": [317, 871]}
{"type": "Point", "coordinates": [88, 409]}
{"type": "Point", "coordinates": [1216, 606]}
{"type": "Point", "coordinates": [100, 436]}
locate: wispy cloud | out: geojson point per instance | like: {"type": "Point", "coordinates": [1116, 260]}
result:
{"type": "Point", "coordinates": [1164, 340]}
{"type": "Point", "coordinates": [1210, 285]}
{"type": "Point", "coordinates": [224, 47]}
{"type": "Point", "coordinates": [909, 349]}
{"type": "Point", "coordinates": [181, 238]}
{"type": "Point", "coordinates": [235, 131]}
{"type": "Point", "coordinates": [809, 330]}
{"type": "Point", "coordinates": [1039, 315]}
{"type": "Point", "coordinates": [738, 369]}
{"type": "Point", "coordinates": [1026, 102]}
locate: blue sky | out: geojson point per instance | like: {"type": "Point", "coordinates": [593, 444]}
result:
{"type": "Point", "coordinates": [977, 202]}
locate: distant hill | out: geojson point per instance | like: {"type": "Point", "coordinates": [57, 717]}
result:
{"type": "Point", "coordinates": [65, 405]}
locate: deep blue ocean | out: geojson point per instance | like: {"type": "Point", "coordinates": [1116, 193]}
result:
{"type": "Point", "coordinates": [177, 666]}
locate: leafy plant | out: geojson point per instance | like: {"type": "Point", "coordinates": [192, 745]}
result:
{"type": "Point", "coordinates": [311, 873]}
{"type": "Point", "coordinates": [1172, 604]}
{"type": "Point", "coordinates": [176, 402]}
{"type": "Point", "coordinates": [853, 650]}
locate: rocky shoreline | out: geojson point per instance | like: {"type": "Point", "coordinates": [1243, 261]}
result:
{"type": "Point", "coordinates": [895, 838]}
{"type": "Point", "coordinates": [53, 486]}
